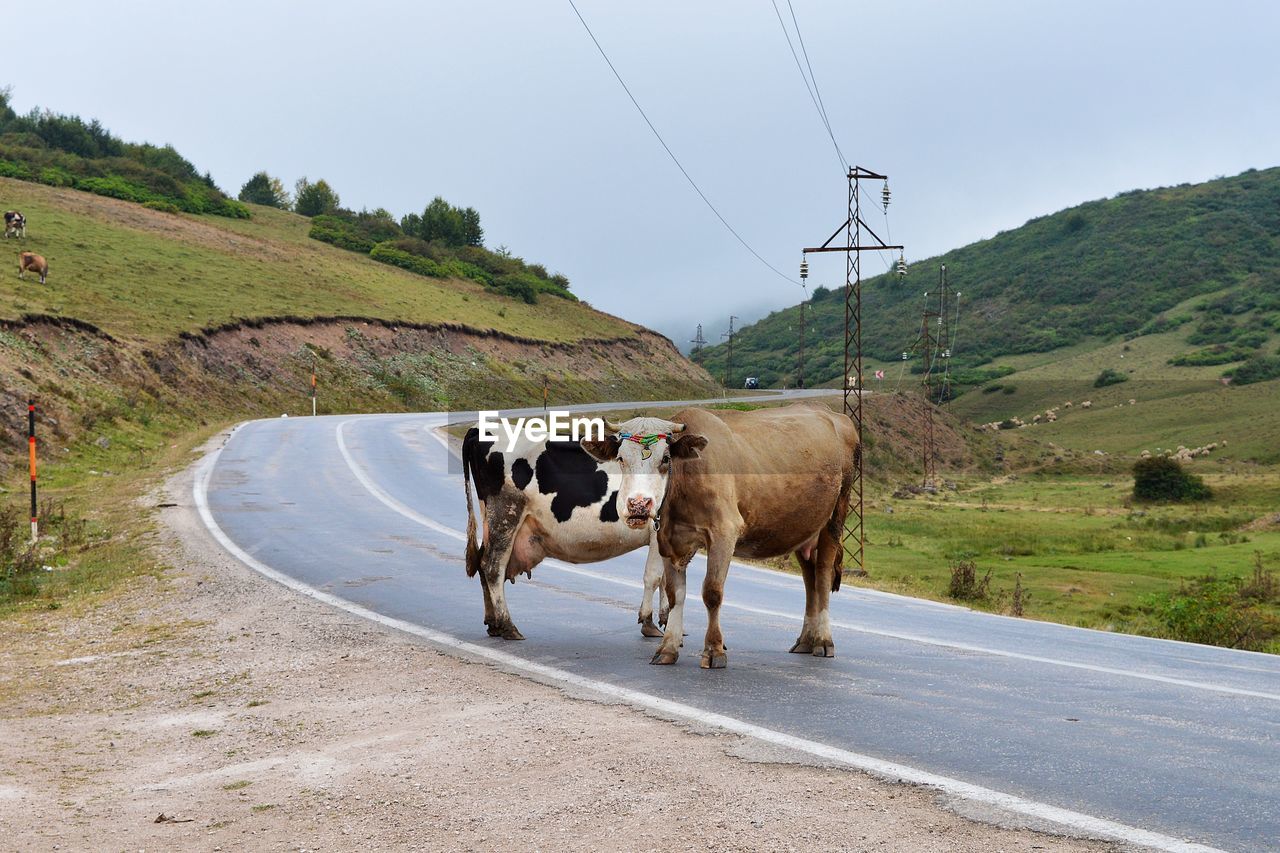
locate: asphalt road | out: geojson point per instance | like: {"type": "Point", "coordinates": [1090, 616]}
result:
{"type": "Point", "coordinates": [1156, 743]}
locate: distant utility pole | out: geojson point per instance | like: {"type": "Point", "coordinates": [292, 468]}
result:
{"type": "Point", "coordinates": [935, 341]}
{"type": "Point", "coordinates": [698, 341]}
{"type": "Point", "coordinates": [728, 362]}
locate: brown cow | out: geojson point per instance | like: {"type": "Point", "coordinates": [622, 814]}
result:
{"type": "Point", "coordinates": [33, 262]}
{"type": "Point", "coordinates": [749, 484]}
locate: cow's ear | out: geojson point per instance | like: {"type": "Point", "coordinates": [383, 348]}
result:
{"type": "Point", "coordinates": [603, 450]}
{"type": "Point", "coordinates": [687, 445]}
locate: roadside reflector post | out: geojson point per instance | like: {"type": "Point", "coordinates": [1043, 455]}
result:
{"type": "Point", "coordinates": [313, 392]}
{"type": "Point", "coordinates": [31, 448]}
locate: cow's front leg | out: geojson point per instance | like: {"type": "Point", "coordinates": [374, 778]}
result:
{"type": "Point", "coordinates": [652, 582]}
{"type": "Point", "coordinates": [673, 577]}
{"type": "Point", "coordinates": [719, 553]}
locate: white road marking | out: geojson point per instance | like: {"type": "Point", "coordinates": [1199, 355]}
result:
{"type": "Point", "coordinates": [413, 515]}
{"type": "Point", "coordinates": [1070, 820]}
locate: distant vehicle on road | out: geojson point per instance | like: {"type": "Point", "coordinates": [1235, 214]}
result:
{"type": "Point", "coordinates": [752, 383]}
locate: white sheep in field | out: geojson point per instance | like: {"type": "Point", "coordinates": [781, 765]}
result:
{"type": "Point", "coordinates": [1087, 404]}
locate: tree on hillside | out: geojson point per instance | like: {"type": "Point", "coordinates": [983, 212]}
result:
{"type": "Point", "coordinates": [264, 189]}
{"type": "Point", "coordinates": [472, 233]}
{"type": "Point", "coordinates": [441, 222]}
{"type": "Point", "coordinates": [314, 199]}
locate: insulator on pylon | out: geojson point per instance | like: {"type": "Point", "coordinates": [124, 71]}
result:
{"type": "Point", "coordinates": [804, 269]}
{"type": "Point", "coordinates": [884, 195]}
{"type": "Point", "coordinates": [902, 264]}
{"type": "Point", "coordinates": [904, 356]}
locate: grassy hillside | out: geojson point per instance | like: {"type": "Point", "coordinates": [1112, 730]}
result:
{"type": "Point", "coordinates": [1092, 274]}
{"type": "Point", "coordinates": [146, 274]}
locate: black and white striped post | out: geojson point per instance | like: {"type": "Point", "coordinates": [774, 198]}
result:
{"type": "Point", "coordinates": [31, 447]}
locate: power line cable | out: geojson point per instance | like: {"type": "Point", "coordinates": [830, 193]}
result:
{"type": "Point", "coordinates": [672, 155]}
{"type": "Point", "coordinates": [811, 88]}
{"type": "Point", "coordinates": [818, 92]}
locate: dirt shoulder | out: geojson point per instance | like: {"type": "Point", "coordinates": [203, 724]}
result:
{"type": "Point", "coordinates": [261, 720]}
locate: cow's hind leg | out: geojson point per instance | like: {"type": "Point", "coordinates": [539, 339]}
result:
{"type": "Point", "coordinates": [500, 541]}
{"type": "Point", "coordinates": [825, 561]}
{"type": "Point", "coordinates": [673, 577]}
{"type": "Point", "coordinates": [652, 585]}
{"type": "Point", "coordinates": [804, 643]}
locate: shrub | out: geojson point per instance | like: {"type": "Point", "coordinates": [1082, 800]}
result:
{"type": "Point", "coordinates": [1260, 368]}
{"type": "Point", "coordinates": [314, 199]}
{"type": "Point", "coordinates": [162, 206]}
{"type": "Point", "coordinates": [264, 189]}
{"type": "Point", "coordinates": [387, 254]}
{"type": "Point", "coordinates": [1213, 611]}
{"type": "Point", "coordinates": [1161, 479]}
{"type": "Point", "coordinates": [965, 584]}
{"type": "Point", "coordinates": [9, 169]}
{"type": "Point", "coordinates": [1216, 354]}
{"type": "Point", "coordinates": [1109, 377]}
{"type": "Point", "coordinates": [519, 285]}
{"type": "Point", "coordinates": [339, 232]}
{"type": "Point", "coordinates": [55, 177]}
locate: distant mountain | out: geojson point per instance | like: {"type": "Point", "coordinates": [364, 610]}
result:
{"type": "Point", "coordinates": [1101, 270]}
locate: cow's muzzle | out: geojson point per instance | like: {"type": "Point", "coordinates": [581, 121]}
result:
{"type": "Point", "coordinates": [638, 512]}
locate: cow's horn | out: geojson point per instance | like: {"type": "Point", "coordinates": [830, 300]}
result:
{"type": "Point", "coordinates": [678, 427]}
{"type": "Point", "coordinates": [611, 428]}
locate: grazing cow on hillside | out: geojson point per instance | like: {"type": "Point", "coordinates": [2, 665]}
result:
{"type": "Point", "coordinates": [750, 484]}
{"type": "Point", "coordinates": [15, 224]}
{"type": "Point", "coordinates": [546, 499]}
{"type": "Point", "coordinates": [33, 262]}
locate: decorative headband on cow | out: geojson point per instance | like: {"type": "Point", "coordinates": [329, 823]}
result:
{"type": "Point", "coordinates": [645, 440]}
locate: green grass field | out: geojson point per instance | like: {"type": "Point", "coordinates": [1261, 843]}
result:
{"type": "Point", "coordinates": [147, 275]}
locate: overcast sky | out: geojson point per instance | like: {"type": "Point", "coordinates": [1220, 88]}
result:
{"type": "Point", "coordinates": [984, 114]}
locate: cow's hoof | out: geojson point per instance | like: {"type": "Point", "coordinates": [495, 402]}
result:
{"type": "Point", "coordinates": [492, 630]}
{"type": "Point", "coordinates": [512, 633]}
{"type": "Point", "coordinates": [824, 650]}
{"type": "Point", "coordinates": [661, 658]}
{"type": "Point", "coordinates": [802, 647]}
{"type": "Point", "coordinates": [649, 629]}
{"type": "Point", "coordinates": [714, 661]}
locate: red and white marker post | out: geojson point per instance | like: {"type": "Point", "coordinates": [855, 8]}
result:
{"type": "Point", "coordinates": [313, 393]}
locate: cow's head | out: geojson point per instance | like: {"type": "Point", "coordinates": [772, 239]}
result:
{"type": "Point", "coordinates": [644, 449]}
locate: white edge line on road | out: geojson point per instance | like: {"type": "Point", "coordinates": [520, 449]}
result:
{"type": "Point", "coordinates": [1075, 821]}
{"type": "Point", "coordinates": [418, 517]}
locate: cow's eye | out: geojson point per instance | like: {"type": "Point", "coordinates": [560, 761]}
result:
{"type": "Point", "coordinates": [666, 459]}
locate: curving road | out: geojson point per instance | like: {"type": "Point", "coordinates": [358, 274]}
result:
{"type": "Point", "coordinates": [1150, 742]}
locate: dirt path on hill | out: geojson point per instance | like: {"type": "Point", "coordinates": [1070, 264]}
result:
{"type": "Point", "coordinates": [255, 719]}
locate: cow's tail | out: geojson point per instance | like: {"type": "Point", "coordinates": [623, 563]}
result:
{"type": "Point", "coordinates": [475, 550]}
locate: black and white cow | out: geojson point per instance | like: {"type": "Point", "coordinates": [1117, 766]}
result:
{"type": "Point", "coordinates": [547, 499]}
{"type": "Point", "coordinates": [15, 224]}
